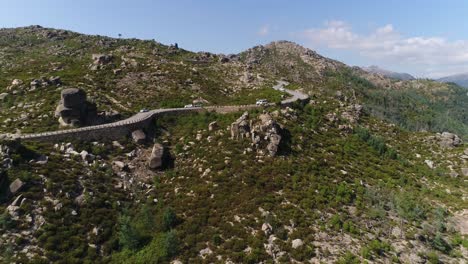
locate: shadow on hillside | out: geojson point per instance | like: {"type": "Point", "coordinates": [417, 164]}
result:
{"type": "Point", "coordinates": [284, 148]}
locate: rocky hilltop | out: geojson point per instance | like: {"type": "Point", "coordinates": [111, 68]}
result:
{"type": "Point", "coordinates": [369, 169]}
{"type": "Point", "coordinates": [389, 74]}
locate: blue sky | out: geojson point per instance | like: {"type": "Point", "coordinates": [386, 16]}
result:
{"type": "Point", "coordinates": [425, 38]}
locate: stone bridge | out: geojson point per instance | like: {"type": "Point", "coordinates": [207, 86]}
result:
{"type": "Point", "coordinates": [122, 128]}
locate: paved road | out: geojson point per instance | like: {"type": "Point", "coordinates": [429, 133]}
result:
{"type": "Point", "coordinates": [140, 118]}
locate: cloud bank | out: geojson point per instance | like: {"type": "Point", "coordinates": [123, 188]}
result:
{"type": "Point", "coordinates": [431, 56]}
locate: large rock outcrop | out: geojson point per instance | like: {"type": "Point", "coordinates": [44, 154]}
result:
{"type": "Point", "coordinates": [73, 109]}
{"type": "Point", "coordinates": [268, 132]}
{"type": "Point", "coordinates": [156, 157]}
{"type": "Point", "coordinates": [265, 133]}
{"type": "Point", "coordinates": [241, 127]}
{"type": "Point", "coordinates": [448, 140]}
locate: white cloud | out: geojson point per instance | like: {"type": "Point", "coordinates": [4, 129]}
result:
{"type": "Point", "coordinates": [430, 56]}
{"type": "Point", "coordinates": [264, 30]}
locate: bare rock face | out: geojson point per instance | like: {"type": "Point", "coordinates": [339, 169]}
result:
{"type": "Point", "coordinates": [156, 157]}
{"type": "Point", "coordinates": [448, 140]}
{"type": "Point", "coordinates": [73, 109]}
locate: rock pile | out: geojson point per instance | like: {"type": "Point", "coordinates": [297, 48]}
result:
{"type": "Point", "coordinates": [100, 60]}
{"type": "Point", "coordinates": [448, 140]}
{"type": "Point", "coordinates": [73, 109]}
{"type": "Point", "coordinates": [266, 133]}
{"type": "Point", "coordinates": [352, 113]}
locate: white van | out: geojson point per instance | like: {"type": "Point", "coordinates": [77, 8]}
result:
{"type": "Point", "coordinates": [262, 102]}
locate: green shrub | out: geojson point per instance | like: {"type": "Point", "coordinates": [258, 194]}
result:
{"type": "Point", "coordinates": [432, 258]}
{"type": "Point", "coordinates": [348, 258]}
{"type": "Point", "coordinates": [129, 236]}
{"type": "Point", "coordinates": [410, 207]}
{"type": "Point", "coordinates": [440, 244]}
{"type": "Point", "coordinates": [6, 222]}
{"type": "Point", "coordinates": [169, 219]}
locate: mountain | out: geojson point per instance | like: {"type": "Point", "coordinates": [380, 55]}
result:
{"type": "Point", "coordinates": [389, 74]}
{"type": "Point", "coordinates": [369, 169]}
{"type": "Point", "coordinates": [460, 79]}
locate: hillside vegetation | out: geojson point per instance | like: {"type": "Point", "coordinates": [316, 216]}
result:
{"type": "Point", "coordinates": [357, 174]}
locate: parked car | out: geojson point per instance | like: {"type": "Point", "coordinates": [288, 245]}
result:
{"type": "Point", "coordinates": [262, 102]}
{"type": "Point", "coordinates": [193, 105]}
{"type": "Point", "coordinates": [282, 89]}
{"type": "Point", "coordinates": [144, 110]}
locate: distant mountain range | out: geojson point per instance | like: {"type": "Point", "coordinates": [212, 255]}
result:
{"type": "Point", "coordinates": [460, 79]}
{"type": "Point", "coordinates": [389, 74]}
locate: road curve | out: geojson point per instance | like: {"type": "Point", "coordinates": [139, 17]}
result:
{"type": "Point", "coordinates": [141, 118]}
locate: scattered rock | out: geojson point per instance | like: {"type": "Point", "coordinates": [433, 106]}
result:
{"type": "Point", "coordinates": [43, 159]}
{"type": "Point", "coordinates": [155, 160]}
{"type": "Point", "coordinates": [212, 126]}
{"type": "Point", "coordinates": [464, 172]}
{"type": "Point", "coordinates": [396, 232]}
{"type": "Point", "coordinates": [120, 165]}
{"type": "Point", "coordinates": [16, 186]}
{"type": "Point", "coordinates": [55, 80]}
{"type": "Point", "coordinates": [352, 113]}
{"type": "Point", "coordinates": [16, 82]}
{"type": "Point", "coordinates": [205, 252]}
{"type": "Point", "coordinates": [460, 219]}
{"type": "Point", "coordinates": [85, 156]}
{"type": "Point", "coordinates": [138, 136]}
{"type": "Point", "coordinates": [429, 163]}
{"type": "Point", "coordinates": [267, 229]}
{"type": "Point", "coordinates": [297, 243]}
{"type": "Point", "coordinates": [3, 96]}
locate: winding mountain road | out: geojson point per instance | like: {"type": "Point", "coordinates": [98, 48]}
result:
{"type": "Point", "coordinates": [141, 119]}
